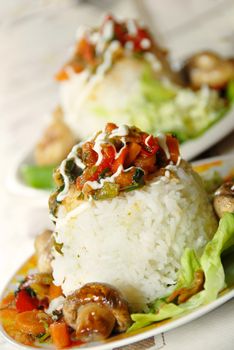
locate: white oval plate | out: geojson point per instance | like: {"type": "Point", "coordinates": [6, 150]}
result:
{"type": "Point", "coordinates": [221, 165]}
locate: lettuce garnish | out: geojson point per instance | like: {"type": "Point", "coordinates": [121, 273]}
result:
{"type": "Point", "coordinates": [210, 263]}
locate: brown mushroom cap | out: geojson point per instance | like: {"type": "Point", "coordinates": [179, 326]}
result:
{"type": "Point", "coordinates": [224, 199]}
{"type": "Point", "coordinates": [92, 307]}
{"type": "Point", "coordinates": [208, 68]}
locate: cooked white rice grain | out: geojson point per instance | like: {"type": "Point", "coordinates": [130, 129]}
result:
{"type": "Point", "coordinates": [135, 241]}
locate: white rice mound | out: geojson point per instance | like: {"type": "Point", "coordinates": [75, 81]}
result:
{"type": "Point", "coordinates": [135, 241]}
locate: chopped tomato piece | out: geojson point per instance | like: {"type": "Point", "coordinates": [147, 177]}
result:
{"type": "Point", "coordinates": [89, 174]}
{"type": "Point", "coordinates": [147, 163]}
{"type": "Point", "coordinates": [173, 146]}
{"type": "Point", "coordinates": [141, 35]}
{"type": "Point", "coordinates": [110, 127]}
{"type": "Point", "coordinates": [60, 335]}
{"type": "Point", "coordinates": [25, 302]}
{"type": "Point", "coordinates": [89, 156]}
{"type": "Point", "coordinates": [62, 74]}
{"type": "Point", "coordinates": [92, 173]}
{"type": "Point", "coordinates": [108, 152]}
{"type": "Point", "coordinates": [120, 160]}
{"type": "Point", "coordinates": [133, 150]}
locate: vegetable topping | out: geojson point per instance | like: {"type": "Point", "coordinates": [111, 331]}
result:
{"type": "Point", "coordinates": [114, 160]}
{"type": "Point", "coordinates": [96, 49]}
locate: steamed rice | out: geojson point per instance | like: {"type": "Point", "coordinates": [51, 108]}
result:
{"type": "Point", "coordinates": [134, 241]}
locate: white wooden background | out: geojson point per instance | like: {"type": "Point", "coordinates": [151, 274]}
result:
{"type": "Point", "coordinates": [34, 38]}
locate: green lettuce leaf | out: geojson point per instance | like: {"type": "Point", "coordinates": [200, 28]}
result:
{"type": "Point", "coordinates": [211, 264]}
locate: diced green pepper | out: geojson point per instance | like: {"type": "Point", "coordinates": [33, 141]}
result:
{"type": "Point", "coordinates": [40, 177]}
{"type": "Point", "coordinates": [230, 91]}
{"type": "Point", "coordinates": [109, 190]}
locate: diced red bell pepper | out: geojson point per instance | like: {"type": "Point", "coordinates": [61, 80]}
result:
{"type": "Point", "coordinates": [136, 40]}
{"type": "Point", "coordinates": [25, 302]}
{"type": "Point", "coordinates": [92, 173]}
{"type": "Point", "coordinates": [151, 147]}
{"type": "Point", "coordinates": [120, 160]}
{"type": "Point", "coordinates": [173, 147]}
{"type": "Point", "coordinates": [110, 127]}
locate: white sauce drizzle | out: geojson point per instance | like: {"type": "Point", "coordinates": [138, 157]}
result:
{"type": "Point", "coordinates": [101, 139]}
{"type": "Point", "coordinates": [107, 61]}
{"type": "Point", "coordinates": [232, 188]}
{"type": "Point", "coordinates": [162, 143]}
{"type": "Point", "coordinates": [117, 154]}
{"type": "Point", "coordinates": [122, 130]}
{"type": "Point", "coordinates": [55, 304]}
{"type": "Point", "coordinates": [145, 44]}
{"type": "Point", "coordinates": [152, 59]}
{"type": "Point", "coordinates": [78, 162]}
{"type": "Point", "coordinates": [217, 193]}
{"type": "Point", "coordinates": [108, 30]}
{"type": "Point", "coordinates": [147, 140]}
{"type": "Point", "coordinates": [131, 27]}
{"type": "Point", "coordinates": [95, 185]}
{"type": "Point", "coordinates": [178, 161]}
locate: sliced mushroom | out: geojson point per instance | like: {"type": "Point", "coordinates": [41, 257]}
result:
{"type": "Point", "coordinates": [224, 199]}
{"type": "Point", "coordinates": [56, 141]}
{"type": "Point", "coordinates": [95, 311]}
{"type": "Point", "coordinates": [43, 245]}
{"type": "Point", "coordinates": [208, 68]}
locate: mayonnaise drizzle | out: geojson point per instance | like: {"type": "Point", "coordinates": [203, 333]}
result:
{"type": "Point", "coordinates": [107, 59]}
{"type": "Point", "coordinates": [62, 168]}
{"type": "Point", "coordinates": [108, 30]}
{"type": "Point", "coordinates": [163, 144]}
{"type": "Point", "coordinates": [95, 185]}
{"type": "Point", "coordinates": [122, 130]}
{"type": "Point", "coordinates": [145, 44]}
{"type": "Point", "coordinates": [131, 27]}
{"type": "Point", "coordinates": [101, 139]}
{"type": "Point", "coordinates": [147, 140]}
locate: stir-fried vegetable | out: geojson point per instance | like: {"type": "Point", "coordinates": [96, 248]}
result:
{"type": "Point", "coordinates": [40, 177]}
{"type": "Point", "coordinates": [112, 163]}
{"type": "Point", "coordinates": [26, 300]}
{"type": "Point", "coordinates": [60, 334]}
